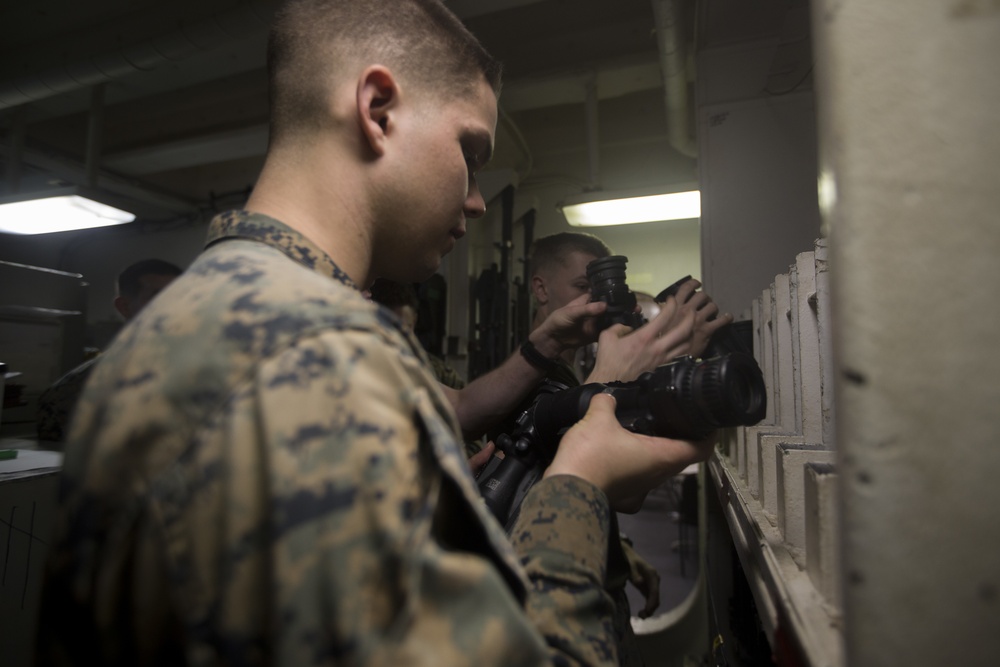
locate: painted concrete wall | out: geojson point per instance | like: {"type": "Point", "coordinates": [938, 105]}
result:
{"type": "Point", "coordinates": [757, 149]}
{"type": "Point", "coordinates": [908, 94]}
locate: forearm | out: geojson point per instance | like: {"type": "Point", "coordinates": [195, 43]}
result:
{"type": "Point", "coordinates": [566, 561]}
{"type": "Point", "coordinates": [493, 396]}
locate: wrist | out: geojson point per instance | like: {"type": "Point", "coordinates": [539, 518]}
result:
{"type": "Point", "coordinates": [536, 358]}
{"type": "Point", "coordinates": [546, 344]}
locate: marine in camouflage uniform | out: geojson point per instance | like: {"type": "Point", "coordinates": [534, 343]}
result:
{"type": "Point", "coordinates": [264, 471]}
{"type": "Point", "coordinates": [401, 298]}
{"type": "Point", "coordinates": [136, 286]}
{"type": "Point", "coordinates": [444, 373]}
{"type": "Point", "coordinates": [56, 403]}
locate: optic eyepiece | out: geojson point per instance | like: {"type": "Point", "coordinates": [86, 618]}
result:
{"type": "Point", "coordinates": [607, 284]}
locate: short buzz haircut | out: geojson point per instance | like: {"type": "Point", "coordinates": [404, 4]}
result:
{"type": "Point", "coordinates": [550, 250]}
{"type": "Point", "coordinates": [311, 39]}
{"type": "Point", "coordinates": [128, 280]}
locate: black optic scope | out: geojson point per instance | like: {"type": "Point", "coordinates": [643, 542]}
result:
{"type": "Point", "coordinates": [685, 399]}
{"type": "Point", "coordinates": [607, 284]}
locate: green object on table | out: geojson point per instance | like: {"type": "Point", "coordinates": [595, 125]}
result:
{"type": "Point", "coordinates": [8, 454]}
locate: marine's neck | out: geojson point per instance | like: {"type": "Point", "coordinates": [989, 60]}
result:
{"type": "Point", "coordinates": [325, 204]}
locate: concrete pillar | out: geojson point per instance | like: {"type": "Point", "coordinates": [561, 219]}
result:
{"type": "Point", "coordinates": [908, 96]}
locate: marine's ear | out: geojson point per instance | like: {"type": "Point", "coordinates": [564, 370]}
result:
{"type": "Point", "coordinates": [377, 99]}
{"type": "Point", "coordinates": [123, 307]}
{"type": "Point", "coordinates": [539, 290]}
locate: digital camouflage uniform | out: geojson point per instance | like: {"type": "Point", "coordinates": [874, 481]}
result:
{"type": "Point", "coordinates": [263, 471]}
{"type": "Point", "coordinates": [622, 557]}
{"type": "Point", "coordinates": [56, 403]}
{"type": "Point", "coordinates": [444, 373]}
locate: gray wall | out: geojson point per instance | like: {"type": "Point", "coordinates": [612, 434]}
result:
{"type": "Point", "coordinates": [658, 252]}
{"type": "Point", "coordinates": [909, 93]}
{"type": "Point", "coordinates": [757, 147]}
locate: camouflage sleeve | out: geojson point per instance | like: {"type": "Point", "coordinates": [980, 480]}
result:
{"type": "Point", "coordinates": [445, 374]}
{"type": "Point", "coordinates": [370, 565]}
{"type": "Point", "coordinates": [325, 515]}
{"type": "Point", "coordinates": [473, 447]}
{"type": "Point", "coordinates": [57, 402]}
{"type": "Point", "coordinates": [562, 536]}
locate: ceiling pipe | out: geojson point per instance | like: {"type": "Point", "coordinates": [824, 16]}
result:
{"type": "Point", "coordinates": [522, 169]}
{"type": "Point", "coordinates": [593, 135]}
{"type": "Point", "coordinates": [669, 38]}
{"type": "Point", "coordinates": [95, 135]}
{"type": "Point", "coordinates": [251, 19]}
{"type": "Point", "coordinates": [18, 132]}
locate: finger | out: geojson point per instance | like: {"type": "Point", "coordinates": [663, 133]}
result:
{"type": "Point", "coordinates": [708, 311]}
{"type": "Point", "coordinates": [711, 327]}
{"type": "Point", "coordinates": [676, 340]}
{"type": "Point", "coordinates": [576, 313]}
{"type": "Point", "coordinates": [686, 290]}
{"type": "Point", "coordinates": [663, 319]}
{"type": "Point", "coordinates": [671, 456]}
{"type": "Point", "coordinates": [631, 505]}
{"type": "Point", "coordinates": [651, 591]}
{"type": "Point", "coordinates": [680, 331]}
{"type": "Point", "coordinates": [479, 460]}
{"type": "Point", "coordinates": [652, 598]}
{"type": "Point", "coordinates": [699, 300]}
{"type": "Point", "coordinates": [602, 406]}
{"type": "Point", "coordinates": [581, 308]}
{"type": "Point", "coordinates": [671, 308]}
{"type": "Point", "coordinates": [584, 300]}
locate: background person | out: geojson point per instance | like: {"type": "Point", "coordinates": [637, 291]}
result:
{"type": "Point", "coordinates": [135, 286]}
{"type": "Point", "coordinates": [402, 299]}
{"type": "Point", "coordinates": [558, 267]}
{"type": "Point", "coordinates": [138, 283]}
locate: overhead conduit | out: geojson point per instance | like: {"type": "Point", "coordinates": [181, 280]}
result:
{"type": "Point", "coordinates": [207, 35]}
{"type": "Point", "coordinates": [669, 38]}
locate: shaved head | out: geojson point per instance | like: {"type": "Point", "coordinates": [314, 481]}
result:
{"type": "Point", "coordinates": [552, 251]}
{"type": "Point", "coordinates": [313, 42]}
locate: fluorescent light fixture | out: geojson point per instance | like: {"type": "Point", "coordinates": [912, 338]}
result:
{"type": "Point", "coordinates": [598, 209]}
{"type": "Point", "coordinates": [58, 210]}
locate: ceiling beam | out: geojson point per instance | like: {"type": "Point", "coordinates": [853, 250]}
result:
{"type": "Point", "coordinates": [73, 172]}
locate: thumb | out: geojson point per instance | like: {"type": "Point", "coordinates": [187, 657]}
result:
{"type": "Point", "coordinates": [479, 460]}
{"type": "Point", "coordinates": [602, 406]}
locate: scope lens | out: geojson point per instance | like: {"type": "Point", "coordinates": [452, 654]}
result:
{"type": "Point", "coordinates": [739, 390]}
{"type": "Point", "coordinates": [742, 381]}
{"type": "Point", "coordinates": [730, 389]}
{"type": "Point", "coordinates": [607, 269]}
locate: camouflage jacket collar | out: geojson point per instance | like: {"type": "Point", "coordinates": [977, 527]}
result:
{"type": "Point", "coordinates": [264, 229]}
